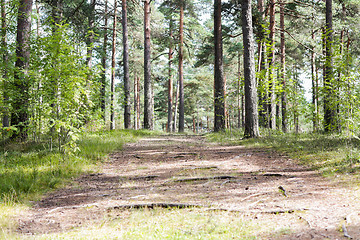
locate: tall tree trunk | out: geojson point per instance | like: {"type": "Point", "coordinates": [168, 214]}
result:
{"type": "Point", "coordinates": [181, 69]}
{"type": "Point", "coordinates": [262, 91]}
{"type": "Point", "coordinates": [138, 109]}
{"type": "Point", "coordinates": [272, 110]}
{"type": "Point", "coordinates": [170, 83]}
{"type": "Point", "coordinates": [19, 118]}
{"type": "Point", "coordinates": [148, 108]}
{"type": "Point", "coordinates": [239, 93]}
{"type": "Point", "coordinates": [349, 107]}
{"type": "Point", "coordinates": [90, 38]}
{"type": "Point", "coordinates": [243, 107]}
{"type": "Point", "coordinates": [5, 117]}
{"type": "Point", "coordinates": [136, 102]}
{"type": "Point", "coordinates": [127, 110]}
{"type": "Point", "coordinates": [296, 105]}
{"type": "Point", "coordinates": [112, 86]}
{"type": "Point", "coordinates": [38, 19]}
{"type": "Point", "coordinates": [330, 112]}
{"type": "Point", "coordinates": [219, 86]}
{"type": "Point", "coordinates": [283, 70]}
{"type": "Point", "coordinates": [251, 109]}
{"type": "Point", "coordinates": [314, 87]}
{"type": "Point", "coordinates": [103, 64]}
{"type": "Point", "coordinates": [176, 105]}
{"type": "Point", "coordinates": [56, 14]}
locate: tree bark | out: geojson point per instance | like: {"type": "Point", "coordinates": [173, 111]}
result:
{"type": "Point", "coordinates": [103, 64]}
{"type": "Point", "coordinates": [148, 108]}
{"type": "Point", "coordinates": [5, 117]}
{"type": "Point", "coordinates": [272, 110]}
{"type": "Point", "coordinates": [251, 109]}
{"type": "Point", "coordinates": [170, 83]}
{"type": "Point", "coordinates": [219, 86]}
{"type": "Point", "coordinates": [112, 85]}
{"type": "Point", "coordinates": [127, 107]}
{"type": "Point", "coordinates": [239, 93]}
{"type": "Point", "coordinates": [314, 88]}
{"type": "Point", "coordinates": [181, 69]}
{"type": "Point", "coordinates": [262, 91]}
{"type": "Point", "coordinates": [283, 70]}
{"type": "Point", "coordinates": [136, 102]}
{"type": "Point", "coordinates": [90, 38]}
{"type": "Point", "coordinates": [330, 112]}
{"type": "Point", "coordinates": [176, 105]}
{"type": "Point", "coordinates": [19, 118]}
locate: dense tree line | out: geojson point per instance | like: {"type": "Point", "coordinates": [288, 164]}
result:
{"type": "Point", "coordinates": [70, 65]}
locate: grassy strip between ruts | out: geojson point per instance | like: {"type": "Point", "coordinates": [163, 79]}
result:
{"type": "Point", "coordinates": [332, 154]}
{"type": "Point", "coordinates": [29, 170]}
{"type": "Point", "coordinates": [154, 224]}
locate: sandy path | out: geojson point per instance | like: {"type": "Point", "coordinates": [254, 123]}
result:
{"type": "Point", "coordinates": [187, 169]}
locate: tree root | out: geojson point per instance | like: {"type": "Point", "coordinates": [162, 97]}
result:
{"type": "Point", "coordinates": [156, 205]}
{"type": "Point", "coordinates": [263, 212]}
{"type": "Point", "coordinates": [188, 205]}
{"type": "Point", "coordinates": [272, 175]}
{"type": "Point", "coordinates": [203, 178]}
{"type": "Point", "coordinates": [144, 177]}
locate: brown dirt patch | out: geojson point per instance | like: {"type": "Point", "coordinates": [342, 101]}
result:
{"type": "Point", "coordinates": [187, 169]}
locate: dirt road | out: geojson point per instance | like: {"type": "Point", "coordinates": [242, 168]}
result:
{"type": "Point", "coordinates": [261, 184]}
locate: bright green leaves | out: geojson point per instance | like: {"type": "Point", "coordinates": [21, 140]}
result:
{"type": "Point", "coordinates": [60, 100]}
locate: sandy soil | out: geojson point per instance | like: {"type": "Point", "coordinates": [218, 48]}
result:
{"type": "Point", "coordinates": [189, 170]}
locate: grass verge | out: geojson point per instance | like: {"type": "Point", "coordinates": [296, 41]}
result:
{"type": "Point", "coordinates": [28, 170]}
{"type": "Point", "coordinates": [331, 154]}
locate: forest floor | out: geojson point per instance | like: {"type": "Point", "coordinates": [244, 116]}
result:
{"type": "Point", "coordinates": [167, 171]}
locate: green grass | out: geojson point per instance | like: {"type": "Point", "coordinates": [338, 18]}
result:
{"type": "Point", "coordinates": [329, 153]}
{"type": "Point", "coordinates": [28, 170]}
{"type": "Point", "coordinates": [170, 224]}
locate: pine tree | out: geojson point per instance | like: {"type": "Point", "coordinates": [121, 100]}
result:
{"type": "Point", "coordinates": [219, 84]}
{"type": "Point", "coordinates": [251, 109]}
{"type": "Point", "coordinates": [20, 104]}
{"type": "Point", "coordinates": [148, 108]}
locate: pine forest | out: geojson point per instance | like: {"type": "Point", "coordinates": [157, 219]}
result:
{"type": "Point", "coordinates": [82, 79]}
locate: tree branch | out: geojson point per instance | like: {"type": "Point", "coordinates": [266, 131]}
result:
{"type": "Point", "coordinates": [301, 43]}
{"type": "Point", "coordinates": [158, 56]}
{"type": "Point", "coordinates": [234, 36]}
